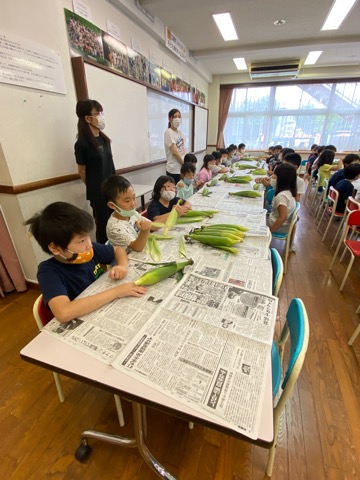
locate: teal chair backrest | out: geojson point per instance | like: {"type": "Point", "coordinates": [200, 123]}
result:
{"type": "Point", "coordinates": [295, 322]}
{"type": "Point", "coordinates": [270, 195]}
{"type": "Point", "coordinates": [277, 267]}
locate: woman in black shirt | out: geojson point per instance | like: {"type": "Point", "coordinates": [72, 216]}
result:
{"type": "Point", "coordinates": [94, 158]}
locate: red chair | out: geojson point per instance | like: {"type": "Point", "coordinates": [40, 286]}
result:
{"type": "Point", "coordinates": [351, 205]}
{"type": "Point", "coordinates": [144, 214]}
{"type": "Point", "coordinates": [353, 246]}
{"type": "Point", "coordinates": [42, 316]}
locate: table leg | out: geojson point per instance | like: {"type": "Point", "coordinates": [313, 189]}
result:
{"type": "Point", "coordinates": [147, 456]}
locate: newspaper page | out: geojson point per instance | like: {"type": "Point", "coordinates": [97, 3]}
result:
{"type": "Point", "coordinates": [209, 346]}
{"type": "Point", "coordinates": [104, 333]}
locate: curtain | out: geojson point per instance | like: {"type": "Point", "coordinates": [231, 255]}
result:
{"type": "Point", "coordinates": [224, 105]}
{"type": "Point", "coordinates": [11, 274]}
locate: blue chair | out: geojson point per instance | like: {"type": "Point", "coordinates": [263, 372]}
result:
{"type": "Point", "coordinates": [297, 328]}
{"type": "Point", "coordinates": [287, 237]}
{"type": "Point", "coordinates": [269, 197]}
{"type": "Point", "coordinates": [302, 168]}
{"type": "Point", "coordinates": [278, 270]}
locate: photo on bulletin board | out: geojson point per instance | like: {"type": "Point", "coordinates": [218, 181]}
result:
{"type": "Point", "coordinates": [176, 85]}
{"type": "Point", "coordinates": [85, 38]}
{"type": "Point", "coordinates": [166, 80]}
{"type": "Point", "coordinates": [138, 66]}
{"type": "Point", "coordinates": [154, 75]}
{"type": "Point", "coordinates": [115, 53]}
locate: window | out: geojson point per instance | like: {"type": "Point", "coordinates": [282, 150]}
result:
{"type": "Point", "coordinates": [295, 116]}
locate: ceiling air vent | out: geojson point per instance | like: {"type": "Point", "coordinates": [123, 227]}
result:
{"type": "Point", "coordinates": [269, 70]}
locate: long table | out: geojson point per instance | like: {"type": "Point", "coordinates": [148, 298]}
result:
{"type": "Point", "coordinates": [49, 352]}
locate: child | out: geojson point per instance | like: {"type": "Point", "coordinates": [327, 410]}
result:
{"type": "Point", "coordinates": [241, 150]}
{"type": "Point", "coordinates": [294, 159]}
{"type": "Point", "coordinates": [63, 230]}
{"type": "Point", "coordinates": [325, 166]}
{"type": "Point", "coordinates": [164, 199]}
{"type": "Point", "coordinates": [224, 156]}
{"type": "Point", "coordinates": [284, 201]}
{"type": "Point", "coordinates": [191, 158]}
{"type": "Point", "coordinates": [185, 188]}
{"type": "Point", "coordinates": [210, 169]}
{"type": "Point", "coordinates": [120, 228]}
{"type": "Point", "coordinates": [221, 167]}
{"type": "Point", "coordinates": [349, 159]}
{"type": "Point", "coordinates": [345, 187]}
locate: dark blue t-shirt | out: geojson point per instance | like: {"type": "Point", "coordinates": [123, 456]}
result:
{"type": "Point", "coordinates": [336, 178]}
{"type": "Point", "coordinates": [56, 278]}
{"type": "Point", "coordinates": [345, 189]}
{"type": "Point", "coordinates": [156, 208]}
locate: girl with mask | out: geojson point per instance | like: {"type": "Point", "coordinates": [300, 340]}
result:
{"type": "Point", "coordinates": [174, 145]}
{"type": "Point", "coordinates": [164, 199]}
{"type": "Point", "coordinates": [125, 227]}
{"type": "Point", "coordinates": [95, 161]}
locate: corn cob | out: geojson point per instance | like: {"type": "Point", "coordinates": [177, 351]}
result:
{"type": "Point", "coordinates": [223, 176]}
{"type": "Point", "coordinates": [171, 221]}
{"type": "Point", "coordinates": [155, 275]}
{"type": "Point", "coordinates": [182, 248]}
{"type": "Point", "coordinates": [212, 183]}
{"type": "Point", "coordinates": [229, 226]}
{"type": "Point", "coordinates": [232, 250]}
{"type": "Point", "coordinates": [246, 193]}
{"type": "Point", "coordinates": [246, 167]}
{"type": "Point", "coordinates": [153, 224]}
{"type": "Point", "coordinates": [212, 240]}
{"type": "Point", "coordinates": [237, 180]}
{"type": "Point", "coordinates": [259, 171]}
{"type": "Point", "coordinates": [221, 233]}
{"type": "Point", "coordinates": [205, 192]}
{"type": "Point", "coordinates": [183, 220]}
{"type": "Point", "coordinates": [256, 186]}
{"type": "Point", "coordinates": [158, 236]}
{"type": "Point", "coordinates": [200, 213]}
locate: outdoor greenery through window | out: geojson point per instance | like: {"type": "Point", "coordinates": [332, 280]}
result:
{"type": "Point", "coordinates": [295, 116]}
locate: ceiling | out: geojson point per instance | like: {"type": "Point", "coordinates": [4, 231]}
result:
{"type": "Point", "coordinates": [259, 39]}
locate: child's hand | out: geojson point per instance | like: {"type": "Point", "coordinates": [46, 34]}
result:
{"type": "Point", "coordinates": [182, 209]}
{"type": "Point", "coordinates": [117, 272]}
{"type": "Point", "coordinates": [180, 184]}
{"type": "Point", "coordinates": [130, 290]}
{"type": "Point", "coordinates": [144, 225]}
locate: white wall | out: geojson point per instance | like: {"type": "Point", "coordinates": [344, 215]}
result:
{"type": "Point", "coordinates": [38, 129]}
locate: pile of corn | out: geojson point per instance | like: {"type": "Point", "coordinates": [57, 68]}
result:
{"type": "Point", "coordinates": [222, 236]}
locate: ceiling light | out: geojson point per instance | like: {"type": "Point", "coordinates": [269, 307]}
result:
{"type": "Point", "coordinates": [226, 26]}
{"type": "Point", "coordinates": [240, 63]}
{"type": "Point", "coordinates": [278, 23]}
{"type": "Point", "coordinates": [337, 14]}
{"type": "Point", "coordinates": [312, 57]}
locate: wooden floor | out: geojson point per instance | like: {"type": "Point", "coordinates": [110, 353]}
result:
{"type": "Point", "coordinates": [320, 435]}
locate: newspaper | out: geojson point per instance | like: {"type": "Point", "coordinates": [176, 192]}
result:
{"type": "Point", "coordinates": [209, 346]}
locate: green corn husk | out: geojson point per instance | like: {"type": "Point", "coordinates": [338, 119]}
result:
{"type": "Point", "coordinates": [200, 213]}
{"type": "Point", "coordinates": [212, 240]}
{"type": "Point", "coordinates": [232, 250]}
{"type": "Point", "coordinates": [231, 226]}
{"type": "Point", "coordinates": [158, 236]}
{"type": "Point", "coordinates": [182, 220]}
{"type": "Point", "coordinates": [242, 181]}
{"type": "Point", "coordinates": [221, 232]}
{"type": "Point", "coordinates": [205, 192]}
{"type": "Point", "coordinates": [158, 274]}
{"type": "Point", "coordinates": [223, 176]}
{"type": "Point", "coordinates": [171, 221]}
{"type": "Point", "coordinates": [153, 224]}
{"type": "Point", "coordinates": [154, 249]}
{"type": "Point", "coordinates": [246, 193]}
{"type": "Point", "coordinates": [212, 183]}
{"type": "Point", "coordinates": [246, 167]}
{"type": "Point", "coordinates": [259, 171]}
{"type": "Point", "coordinates": [237, 178]}
{"type": "Point", "coordinates": [256, 186]}
{"type": "Point", "coordinates": [182, 248]}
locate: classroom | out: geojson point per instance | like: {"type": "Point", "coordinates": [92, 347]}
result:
{"type": "Point", "coordinates": [154, 59]}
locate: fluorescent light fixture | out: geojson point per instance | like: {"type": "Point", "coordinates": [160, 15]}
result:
{"type": "Point", "coordinates": [240, 63]}
{"type": "Point", "coordinates": [226, 26]}
{"type": "Point", "coordinates": [337, 14]}
{"type": "Point", "coordinates": [312, 57]}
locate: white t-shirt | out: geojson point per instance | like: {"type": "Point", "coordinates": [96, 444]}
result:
{"type": "Point", "coordinates": [282, 198]}
{"type": "Point", "coordinates": [120, 233]}
{"type": "Point", "coordinates": [300, 185]}
{"type": "Point", "coordinates": [173, 137]}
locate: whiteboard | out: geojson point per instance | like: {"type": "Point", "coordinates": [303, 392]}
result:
{"type": "Point", "coordinates": [125, 112]}
{"type": "Point", "coordinates": [159, 105]}
{"type": "Point", "coordinates": [200, 129]}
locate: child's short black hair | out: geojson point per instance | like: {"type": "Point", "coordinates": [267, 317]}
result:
{"type": "Point", "coordinates": [190, 157]}
{"type": "Point", "coordinates": [330, 147]}
{"type": "Point", "coordinates": [58, 223]}
{"type": "Point", "coordinates": [293, 158]}
{"type": "Point", "coordinates": [285, 179]}
{"type": "Point", "coordinates": [241, 145]}
{"type": "Point", "coordinates": [160, 182]}
{"type": "Point", "coordinates": [216, 154]}
{"type": "Point", "coordinates": [187, 168]}
{"type": "Point", "coordinates": [352, 171]}
{"type": "Point", "coordinates": [278, 147]}
{"type": "Point", "coordinates": [231, 148]}
{"type": "Point", "coordinates": [350, 157]}
{"type": "Point", "coordinates": [114, 185]}
{"type": "Point", "coordinates": [224, 151]}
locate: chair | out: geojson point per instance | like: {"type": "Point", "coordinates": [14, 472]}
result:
{"type": "Point", "coordinates": [351, 205]}
{"type": "Point", "coordinates": [297, 328]}
{"type": "Point", "coordinates": [302, 168]}
{"type": "Point", "coordinates": [42, 316]}
{"type": "Point", "coordinates": [353, 246]}
{"type": "Point", "coordinates": [357, 331]}
{"type": "Point", "coordinates": [278, 270]}
{"type": "Point", "coordinates": [310, 185]}
{"type": "Point", "coordinates": [144, 214]}
{"type": "Point", "coordinates": [333, 199]}
{"type": "Point", "coordinates": [269, 197]}
{"type": "Point", "coordinates": [287, 237]}
{"type": "Point", "coordinates": [323, 201]}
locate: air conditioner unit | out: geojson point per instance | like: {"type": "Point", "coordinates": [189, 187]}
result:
{"type": "Point", "coordinates": [279, 69]}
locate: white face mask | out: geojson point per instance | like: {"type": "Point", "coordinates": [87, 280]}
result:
{"type": "Point", "coordinates": [100, 121]}
{"type": "Point", "coordinates": [122, 212]}
{"type": "Point", "coordinates": [356, 184]}
{"type": "Point", "coordinates": [168, 195]}
{"type": "Point", "coordinates": [176, 122]}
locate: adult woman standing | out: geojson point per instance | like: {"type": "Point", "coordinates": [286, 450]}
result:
{"type": "Point", "coordinates": [174, 145]}
{"type": "Point", "coordinates": [94, 158]}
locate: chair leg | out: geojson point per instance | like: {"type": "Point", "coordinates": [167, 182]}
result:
{"type": "Point", "coordinates": [354, 335]}
{"type": "Point", "coordinates": [59, 386]}
{"type": "Point", "coordinates": [347, 272]}
{"type": "Point", "coordinates": [335, 254]}
{"type": "Point", "coordinates": [272, 451]}
{"type": "Point", "coordinates": [119, 410]}
{"type": "Point", "coordinates": [358, 310]}
{"type": "Point", "coordinates": [327, 228]}
{"type": "Point", "coordinates": [338, 230]}
{"type": "Point", "coordinates": [191, 425]}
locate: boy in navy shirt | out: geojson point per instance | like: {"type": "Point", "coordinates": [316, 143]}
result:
{"type": "Point", "coordinates": [63, 230]}
{"type": "Point", "coordinates": [345, 187]}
